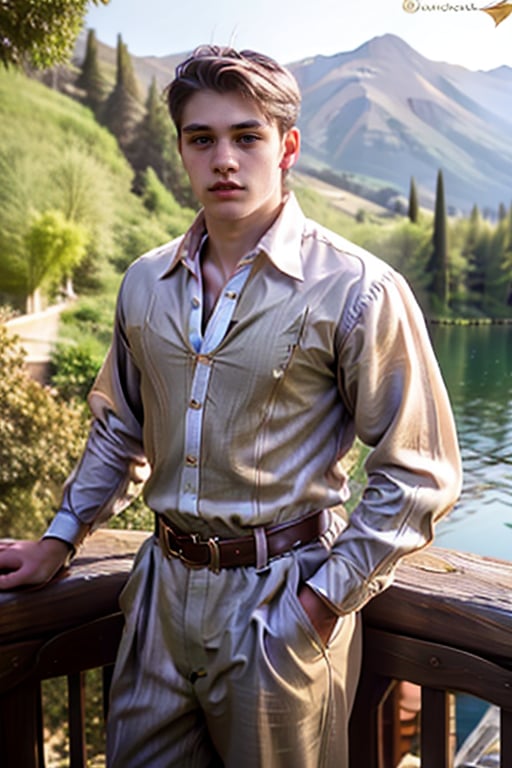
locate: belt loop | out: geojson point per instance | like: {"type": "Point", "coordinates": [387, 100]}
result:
{"type": "Point", "coordinates": [260, 539]}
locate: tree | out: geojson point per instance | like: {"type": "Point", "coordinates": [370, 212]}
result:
{"type": "Point", "coordinates": [438, 264]}
{"type": "Point", "coordinates": [476, 256]}
{"type": "Point", "coordinates": [90, 79]}
{"type": "Point", "coordinates": [495, 271]}
{"type": "Point", "coordinates": [53, 247]}
{"type": "Point", "coordinates": [153, 136]}
{"type": "Point", "coordinates": [413, 211]}
{"type": "Point", "coordinates": [123, 109]}
{"type": "Point", "coordinates": [40, 34]}
{"type": "Point", "coordinates": [507, 256]}
{"type": "Point", "coordinates": [155, 146]}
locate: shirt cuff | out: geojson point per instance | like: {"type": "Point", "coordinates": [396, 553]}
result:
{"type": "Point", "coordinates": [66, 527]}
{"type": "Point", "coordinates": [342, 590]}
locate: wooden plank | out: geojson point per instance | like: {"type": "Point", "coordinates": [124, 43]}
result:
{"type": "Point", "coordinates": [87, 590]}
{"type": "Point", "coordinates": [441, 595]}
{"type": "Point", "coordinates": [506, 738]}
{"type": "Point", "coordinates": [19, 727]}
{"type": "Point", "coordinates": [437, 666]}
{"type": "Point", "coordinates": [434, 734]}
{"type": "Point", "coordinates": [366, 742]}
{"type": "Point", "coordinates": [76, 717]}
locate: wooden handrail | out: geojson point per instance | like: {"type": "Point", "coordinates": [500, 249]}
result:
{"type": "Point", "coordinates": [445, 624]}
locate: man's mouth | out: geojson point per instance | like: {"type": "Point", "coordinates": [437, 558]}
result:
{"type": "Point", "coordinates": [225, 186]}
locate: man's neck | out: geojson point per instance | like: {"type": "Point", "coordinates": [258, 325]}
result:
{"type": "Point", "coordinates": [229, 243]}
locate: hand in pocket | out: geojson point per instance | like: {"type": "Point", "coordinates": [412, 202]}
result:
{"type": "Point", "coordinates": [320, 615]}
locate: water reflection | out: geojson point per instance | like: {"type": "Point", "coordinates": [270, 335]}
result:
{"type": "Point", "coordinates": [477, 366]}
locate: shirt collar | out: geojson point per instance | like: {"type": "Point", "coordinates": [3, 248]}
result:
{"type": "Point", "coordinates": [280, 243]}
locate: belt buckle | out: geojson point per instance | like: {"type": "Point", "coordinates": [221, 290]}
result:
{"type": "Point", "coordinates": [179, 554]}
{"type": "Point", "coordinates": [164, 532]}
{"type": "Point", "coordinates": [213, 546]}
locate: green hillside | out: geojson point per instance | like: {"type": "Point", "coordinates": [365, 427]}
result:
{"type": "Point", "coordinates": [55, 158]}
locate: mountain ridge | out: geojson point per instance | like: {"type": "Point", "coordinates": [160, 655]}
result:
{"type": "Point", "coordinates": [385, 111]}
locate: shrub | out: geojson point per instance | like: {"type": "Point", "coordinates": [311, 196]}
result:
{"type": "Point", "coordinates": [76, 367]}
{"type": "Point", "coordinates": [40, 440]}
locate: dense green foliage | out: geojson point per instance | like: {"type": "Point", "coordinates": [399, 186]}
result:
{"type": "Point", "coordinates": [40, 440]}
{"type": "Point", "coordinates": [38, 33]}
{"type": "Point", "coordinates": [55, 158]}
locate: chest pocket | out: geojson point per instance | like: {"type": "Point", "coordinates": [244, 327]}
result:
{"type": "Point", "coordinates": [284, 345]}
{"type": "Point", "coordinates": [257, 354]}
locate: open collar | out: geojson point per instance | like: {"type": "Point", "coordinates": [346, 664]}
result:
{"type": "Point", "coordinates": [281, 243]}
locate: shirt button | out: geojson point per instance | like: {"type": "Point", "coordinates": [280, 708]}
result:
{"type": "Point", "coordinates": [204, 359]}
{"type": "Point", "coordinates": [195, 404]}
{"type": "Point", "coordinates": [191, 461]}
{"type": "Point", "coordinates": [196, 302]}
{"type": "Point", "coordinates": [230, 294]}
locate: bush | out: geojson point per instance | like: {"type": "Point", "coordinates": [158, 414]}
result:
{"type": "Point", "coordinates": [76, 368]}
{"type": "Point", "coordinates": [40, 440]}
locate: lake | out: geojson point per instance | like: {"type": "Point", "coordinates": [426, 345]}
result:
{"type": "Point", "coordinates": [477, 366]}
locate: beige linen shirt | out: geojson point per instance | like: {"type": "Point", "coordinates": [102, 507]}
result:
{"type": "Point", "coordinates": [244, 423]}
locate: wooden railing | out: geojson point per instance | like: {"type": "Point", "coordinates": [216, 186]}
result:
{"type": "Point", "coordinates": [445, 624]}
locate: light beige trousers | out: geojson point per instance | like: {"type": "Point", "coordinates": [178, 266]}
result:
{"type": "Point", "coordinates": [227, 670]}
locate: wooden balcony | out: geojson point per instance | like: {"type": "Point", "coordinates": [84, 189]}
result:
{"type": "Point", "coordinates": [445, 625]}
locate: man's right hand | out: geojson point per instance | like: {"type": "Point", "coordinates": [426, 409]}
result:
{"type": "Point", "coordinates": [24, 563]}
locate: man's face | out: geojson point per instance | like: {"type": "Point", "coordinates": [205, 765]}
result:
{"type": "Point", "coordinates": [234, 156]}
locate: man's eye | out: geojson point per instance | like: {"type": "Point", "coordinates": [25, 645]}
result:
{"type": "Point", "coordinates": [248, 138]}
{"type": "Point", "coordinates": [200, 140]}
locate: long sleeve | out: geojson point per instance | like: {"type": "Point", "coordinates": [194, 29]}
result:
{"type": "Point", "coordinates": [113, 466]}
{"type": "Point", "coordinates": [390, 380]}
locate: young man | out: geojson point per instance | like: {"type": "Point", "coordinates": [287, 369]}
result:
{"type": "Point", "coordinates": [246, 357]}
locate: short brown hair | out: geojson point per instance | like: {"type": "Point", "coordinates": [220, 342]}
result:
{"type": "Point", "coordinates": [224, 70]}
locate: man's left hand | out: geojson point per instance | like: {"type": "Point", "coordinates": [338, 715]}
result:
{"type": "Point", "coordinates": [320, 615]}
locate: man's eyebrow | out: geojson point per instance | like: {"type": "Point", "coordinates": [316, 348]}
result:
{"type": "Point", "coordinates": [246, 124]}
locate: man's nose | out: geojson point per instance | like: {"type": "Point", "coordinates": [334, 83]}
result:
{"type": "Point", "coordinates": [224, 157]}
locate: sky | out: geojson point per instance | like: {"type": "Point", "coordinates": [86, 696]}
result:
{"type": "Point", "coordinates": [290, 30]}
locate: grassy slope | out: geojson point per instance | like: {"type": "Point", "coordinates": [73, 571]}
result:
{"type": "Point", "coordinates": [37, 126]}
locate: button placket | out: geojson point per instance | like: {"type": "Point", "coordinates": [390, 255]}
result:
{"type": "Point", "coordinates": [216, 330]}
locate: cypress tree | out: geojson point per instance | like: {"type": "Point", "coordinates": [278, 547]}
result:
{"type": "Point", "coordinates": [438, 265]}
{"type": "Point", "coordinates": [123, 109]}
{"type": "Point", "coordinates": [155, 146]}
{"type": "Point", "coordinates": [90, 79]}
{"type": "Point", "coordinates": [413, 211]}
{"type": "Point", "coordinates": [475, 253]}
{"type": "Point", "coordinates": [152, 136]}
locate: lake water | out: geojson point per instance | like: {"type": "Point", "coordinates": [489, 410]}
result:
{"type": "Point", "coordinates": [477, 366]}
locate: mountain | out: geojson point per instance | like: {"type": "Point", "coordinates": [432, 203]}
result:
{"type": "Point", "coordinates": [386, 113]}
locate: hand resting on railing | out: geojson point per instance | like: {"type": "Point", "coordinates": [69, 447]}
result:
{"type": "Point", "coordinates": [24, 563]}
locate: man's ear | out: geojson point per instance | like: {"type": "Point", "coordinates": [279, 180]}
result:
{"type": "Point", "coordinates": [291, 148]}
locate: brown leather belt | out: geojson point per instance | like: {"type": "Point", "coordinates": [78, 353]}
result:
{"type": "Point", "coordinates": [251, 550]}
